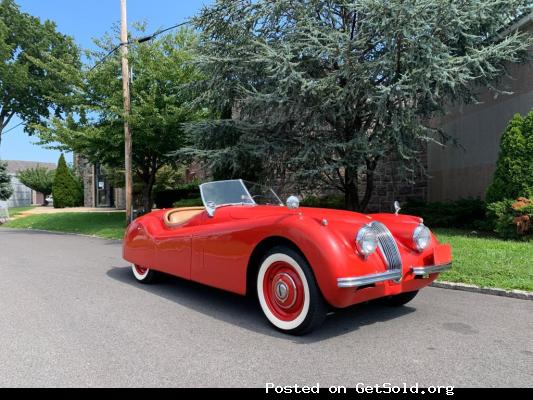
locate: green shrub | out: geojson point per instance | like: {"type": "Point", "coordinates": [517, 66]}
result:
{"type": "Point", "coordinates": [336, 202]}
{"type": "Point", "coordinates": [67, 189]}
{"type": "Point", "coordinates": [463, 213]}
{"type": "Point", "coordinates": [514, 169]}
{"type": "Point", "coordinates": [166, 198]}
{"type": "Point", "coordinates": [506, 215]}
{"type": "Point", "coordinates": [197, 202]}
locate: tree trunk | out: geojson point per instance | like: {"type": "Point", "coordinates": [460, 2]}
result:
{"type": "Point", "coordinates": [351, 194]}
{"type": "Point", "coordinates": [147, 195]}
{"type": "Point", "coordinates": [148, 178]}
{"type": "Point", "coordinates": [5, 118]}
{"type": "Point", "coordinates": [369, 187]}
{"type": "Point", "coordinates": [352, 201]}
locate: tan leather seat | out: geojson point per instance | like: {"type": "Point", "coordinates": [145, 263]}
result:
{"type": "Point", "coordinates": [178, 216]}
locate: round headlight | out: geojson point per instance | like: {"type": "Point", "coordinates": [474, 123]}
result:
{"type": "Point", "coordinates": [366, 241]}
{"type": "Point", "coordinates": [421, 237]}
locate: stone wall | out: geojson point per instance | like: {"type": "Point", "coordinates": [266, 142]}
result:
{"type": "Point", "coordinates": [392, 184]}
{"type": "Point", "coordinates": [120, 198]}
{"type": "Point", "coordinates": [86, 170]}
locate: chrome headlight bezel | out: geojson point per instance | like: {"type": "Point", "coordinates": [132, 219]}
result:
{"type": "Point", "coordinates": [366, 241]}
{"type": "Point", "coordinates": [421, 237]}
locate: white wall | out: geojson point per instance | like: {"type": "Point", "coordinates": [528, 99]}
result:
{"type": "Point", "coordinates": [22, 195]}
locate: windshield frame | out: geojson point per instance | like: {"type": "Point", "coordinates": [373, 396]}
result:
{"type": "Point", "coordinates": [211, 207]}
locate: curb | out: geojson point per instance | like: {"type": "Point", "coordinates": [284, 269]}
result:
{"type": "Point", "coordinates": [515, 294]}
{"type": "Point", "coordinates": [60, 233]}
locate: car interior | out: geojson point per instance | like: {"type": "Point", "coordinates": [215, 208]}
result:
{"type": "Point", "coordinates": [179, 216]}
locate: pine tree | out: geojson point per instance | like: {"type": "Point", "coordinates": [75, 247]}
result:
{"type": "Point", "coordinates": [65, 189]}
{"type": "Point", "coordinates": [514, 169]}
{"type": "Point", "coordinates": [6, 190]}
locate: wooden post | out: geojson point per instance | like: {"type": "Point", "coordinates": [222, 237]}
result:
{"type": "Point", "coordinates": [126, 93]}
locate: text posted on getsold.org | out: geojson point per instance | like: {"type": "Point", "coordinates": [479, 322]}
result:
{"type": "Point", "coordinates": [359, 388]}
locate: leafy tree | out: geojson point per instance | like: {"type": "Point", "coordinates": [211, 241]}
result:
{"type": "Point", "coordinates": [514, 169]}
{"type": "Point", "coordinates": [322, 91]}
{"type": "Point", "coordinates": [40, 179]}
{"type": "Point", "coordinates": [159, 105]}
{"type": "Point", "coordinates": [66, 189]}
{"type": "Point", "coordinates": [38, 67]}
{"type": "Point", "coordinates": [6, 190]}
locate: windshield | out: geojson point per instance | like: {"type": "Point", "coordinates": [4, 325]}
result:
{"type": "Point", "coordinates": [215, 194]}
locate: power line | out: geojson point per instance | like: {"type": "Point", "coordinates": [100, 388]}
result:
{"type": "Point", "coordinates": [146, 39]}
{"type": "Point", "coordinates": [140, 40]}
{"type": "Point", "coordinates": [11, 129]}
{"type": "Point", "coordinates": [102, 60]}
{"type": "Point", "coordinates": [159, 32]}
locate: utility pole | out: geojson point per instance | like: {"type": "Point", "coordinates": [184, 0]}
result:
{"type": "Point", "coordinates": [126, 93]}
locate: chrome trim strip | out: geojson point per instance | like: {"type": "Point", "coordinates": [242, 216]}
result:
{"type": "Point", "coordinates": [355, 281]}
{"type": "Point", "coordinates": [430, 269]}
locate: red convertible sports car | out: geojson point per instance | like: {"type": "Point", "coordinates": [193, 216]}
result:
{"type": "Point", "coordinates": [299, 262]}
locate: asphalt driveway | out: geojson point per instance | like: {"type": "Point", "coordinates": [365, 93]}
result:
{"type": "Point", "coordinates": [72, 315]}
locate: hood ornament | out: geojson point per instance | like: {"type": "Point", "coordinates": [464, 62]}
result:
{"type": "Point", "coordinates": [397, 207]}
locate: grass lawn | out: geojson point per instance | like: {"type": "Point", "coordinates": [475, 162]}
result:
{"type": "Point", "coordinates": [488, 261]}
{"type": "Point", "coordinates": [477, 259]}
{"type": "Point", "coordinates": [102, 224]}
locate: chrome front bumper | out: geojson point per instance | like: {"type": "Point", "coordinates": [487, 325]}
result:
{"type": "Point", "coordinates": [430, 269]}
{"type": "Point", "coordinates": [356, 281]}
{"type": "Point", "coordinates": [394, 275]}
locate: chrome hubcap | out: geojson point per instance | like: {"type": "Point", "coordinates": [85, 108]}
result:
{"type": "Point", "coordinates": [282, 291]}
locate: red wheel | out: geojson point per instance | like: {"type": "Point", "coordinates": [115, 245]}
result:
{"type": "Point", "coordinates": [287, 292]}
{"type": "Point", "coordinates": [142, 274]}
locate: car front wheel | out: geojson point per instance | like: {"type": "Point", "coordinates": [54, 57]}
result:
{"type": "Point", "coordinates": [142, 274]}
{"type": "Point", "coordinates": [288, 293]}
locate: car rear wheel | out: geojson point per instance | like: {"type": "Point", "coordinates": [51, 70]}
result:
{"type": "Point", "coordinates": [400, 299]}
{"type": "Point", "coordinates": [288, 293]}
{"type": "Point", "coordinates": [142, 274]}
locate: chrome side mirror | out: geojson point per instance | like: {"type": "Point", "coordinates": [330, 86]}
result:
{"type": "Point", "coordinates": [397, 207]}
{"type": "Point", "coordinates": [210, 207]}
{"type": "Point", "coordinates": [293, 202]}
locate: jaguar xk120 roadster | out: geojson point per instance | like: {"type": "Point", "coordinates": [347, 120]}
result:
{"type": "Point", "coordinates": [299, 262]}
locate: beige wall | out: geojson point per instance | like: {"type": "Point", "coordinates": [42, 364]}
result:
{"type": "Point", "coordinates": [466, 171]}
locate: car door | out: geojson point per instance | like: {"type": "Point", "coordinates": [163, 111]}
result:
{"type": "Point", "coordinates": [173, 250]}
{"type": "Point", "coordinates": [220, 252]}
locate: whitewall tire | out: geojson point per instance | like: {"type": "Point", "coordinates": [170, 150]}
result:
{"type": "Point", "coordinates": [142, 274]}
{"type": "Point", "coordinates": [287, 291]}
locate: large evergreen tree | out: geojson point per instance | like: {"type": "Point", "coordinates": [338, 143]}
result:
{"type": "Point", "coordinates": [38, 67]}
{"type": "Point", "coordinates": [6, 190]}
{"type": "Point", "coordinates": [322, 91]}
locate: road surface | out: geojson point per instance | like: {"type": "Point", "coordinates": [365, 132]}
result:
{"type": "Point", "coordinates": [72, 315]}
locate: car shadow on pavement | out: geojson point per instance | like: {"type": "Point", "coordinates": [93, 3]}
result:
{"type": "Point", "coordinates": [244, 311]}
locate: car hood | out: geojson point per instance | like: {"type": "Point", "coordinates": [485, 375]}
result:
{"type": "Point", "coordinates": [350, 217]}
{"type": "Point", "coordinates": [345, 222]}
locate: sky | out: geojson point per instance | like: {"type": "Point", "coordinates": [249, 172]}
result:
{"type": "Point", "coordinates": [85, 20]}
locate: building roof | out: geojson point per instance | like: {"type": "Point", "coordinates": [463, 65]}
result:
{"type": "Point", "coordinates": [14, 166]}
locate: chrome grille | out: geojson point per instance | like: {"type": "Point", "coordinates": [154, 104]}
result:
{"type": "Point", "coordinates": [387, 245]}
